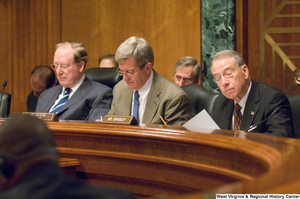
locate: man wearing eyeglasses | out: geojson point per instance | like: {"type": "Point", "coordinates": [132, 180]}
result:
{"type": "Point", "coordinates": [186, 71]}
{"type": "Point", "coordinates": [77, 97]}
{"type": "Point", "coordinates": [143, 93]}
{"type": "Point", "coordinates": [245, 104]}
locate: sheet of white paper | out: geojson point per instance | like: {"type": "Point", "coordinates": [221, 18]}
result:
{"type": "Point", "coordinates": [202, 120]}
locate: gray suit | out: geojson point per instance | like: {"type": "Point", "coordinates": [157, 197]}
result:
{"type": "Point", "coordinates": [82, 102]}
{"type": "Point", "coordinates": [165, 98]}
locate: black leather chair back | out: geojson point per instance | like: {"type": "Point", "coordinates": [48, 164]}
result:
{"type": "Point", "coordinates": [295, 106]}
{"type": "Point", "coordinates": [199, 98]}
{"type": "Point", "coordinates": [106, 76]}
{"type": "Point", "coordinates": [5, 104]}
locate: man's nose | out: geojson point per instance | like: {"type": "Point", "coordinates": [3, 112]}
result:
{"type": "Point", "coordinates": [180, 83]}
{"type": "Point", "coordinates": [224, 80]}
{"type": "Point", "coordinates": [58, 70]}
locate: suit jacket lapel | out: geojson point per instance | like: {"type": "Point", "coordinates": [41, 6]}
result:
{"type": "Point", "coordinates": [127, 97]}
{"type": "Point", "coordinates": [251, 106]}
{"type": "Point", "coordinates": [153, 99]}
{"type": "Point", "coordinates": [48, 102]}
{"type": "Point", "coordinates": [82, 91]}
{"type": "Point", "coordinates": [226, 118]}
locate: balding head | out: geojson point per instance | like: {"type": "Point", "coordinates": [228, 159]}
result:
{"type": "Point", "coordinates": [25, 134]}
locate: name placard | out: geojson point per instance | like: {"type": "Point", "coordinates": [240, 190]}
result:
{"type": "Point", "coordinates": [43, 116]}
{"type": "Point", "coordinates": [119, 119]}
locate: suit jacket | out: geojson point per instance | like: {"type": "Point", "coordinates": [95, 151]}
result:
{"type": "Point", "coordinates": [31, 102]}
{"type": "Point", "coordinates": [263, 99]}
{"type": "Point", "coordinates": [49, 181]}
{"type": "Point", "coordinates": [81, 104]}
{"type": "Point", "coordinates": [165, 98]}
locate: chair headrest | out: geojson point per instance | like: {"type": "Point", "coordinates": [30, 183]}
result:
{"type": "Point", "coordinates": [5, 104]}
{"type": "Point", "coordinates": [106, 76]}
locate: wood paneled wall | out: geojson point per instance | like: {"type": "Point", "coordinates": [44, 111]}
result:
{"type": "Point", "coordinates": [171, 27]}
{"type": "Point", "coordinates": [269, 41]}
{"type": "Point", "coordinates": [30, 30]}
{"type": "Point", "coordinates": [34, 27]}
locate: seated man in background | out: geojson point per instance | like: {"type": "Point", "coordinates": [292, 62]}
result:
{"type": "Point", "coordinates": [107, 61]}
{"type": "Point", "coordinates": [244, 102]}
{"type": "Point", "coordinates": [186, 71]}
{"type": "Point", "coordinates": [143, 93]}
{"type": "Point", "coordinates": [77, 97]}
{"type": "Point", "coordinates": [42, 78]}
{"type": "Point", "coordinates": [30, 165]}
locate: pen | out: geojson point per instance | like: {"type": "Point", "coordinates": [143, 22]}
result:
{"type": "Point", "coordinates": [162, 120]}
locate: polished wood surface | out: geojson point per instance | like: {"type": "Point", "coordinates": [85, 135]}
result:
{"type": "Point", "coordinates": [170, 161]}
{"type": "Point", "coordinates": [69, 165]}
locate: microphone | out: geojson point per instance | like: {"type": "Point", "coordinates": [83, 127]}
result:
{"type": "Point", "coordinates": [252, 127]}
{"type": "Point", "coordinates": [96, 106]}
{"type": "Point", "coordinates": [3, 87]}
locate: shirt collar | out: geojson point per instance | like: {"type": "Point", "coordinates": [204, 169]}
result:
{"type": "Point", "coordinates": [143, 92]}
{"type": "Point", "coordinates": [243, 101]}
{"type": "Point", "coordinates": [76, 86]}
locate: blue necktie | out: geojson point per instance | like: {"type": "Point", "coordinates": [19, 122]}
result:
{"type": "Point", "coordinates": [61, 102]}
{"type": "Point", "coordinates": [136, 106]}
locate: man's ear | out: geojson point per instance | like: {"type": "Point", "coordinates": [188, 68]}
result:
{"type": "Point", "coordinates": [245, 70]}
{"type": "Point", "coordinates": [148, 66]}
{"type": "Point", "coordinates": [81, 66]}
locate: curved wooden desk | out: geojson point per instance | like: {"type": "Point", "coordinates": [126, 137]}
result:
{"type": "Point", "coordinates": [157, 160]}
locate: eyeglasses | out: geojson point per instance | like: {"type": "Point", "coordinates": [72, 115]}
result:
{"type": "Point", "coordinates": [184, 80]}
{"type": "Point", "coordinates": [62, 66]}
{"type": "Point", "coordinates": [228, 74]}
{"type": "Point", "coordinates": [127, 73]}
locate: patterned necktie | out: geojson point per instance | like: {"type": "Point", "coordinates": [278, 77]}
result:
{"type": "Point", "coordinates": [62, 101]}
{"type": "Point", "coordinates": [237, 117]}
{"type": "Point", "coordinates": [136, 106]}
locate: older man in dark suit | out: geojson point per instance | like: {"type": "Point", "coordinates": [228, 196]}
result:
{"type": "Point", "coordinates": [244, 102]}
{"type": "Point", "coordinates": [77, 97]}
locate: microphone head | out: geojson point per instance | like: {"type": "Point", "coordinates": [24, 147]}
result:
{"type": "Point", "coordinates": [4, 83]}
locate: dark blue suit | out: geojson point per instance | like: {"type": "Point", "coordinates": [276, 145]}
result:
{"type": "Point", "coordinates": [261, 102]}
{"type": "Point", "coordinates": [81, 103]}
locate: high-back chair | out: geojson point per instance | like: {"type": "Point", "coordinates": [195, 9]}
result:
{"type": "Point", "coordinates": [199, 98]}
{"type": "Point", "coordinates": [295, 106]}
{"type": "Point", "coordinates": [106, 76]}
{"type": "Point", "coordinates": [5, 104]}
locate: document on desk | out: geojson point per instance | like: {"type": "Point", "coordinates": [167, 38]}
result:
{"type": "Point", "coordinates": [202, 120]}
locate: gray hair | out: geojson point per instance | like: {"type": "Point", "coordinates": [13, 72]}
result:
{"type": "Point", "coordinates": [187, 61]}
{"type": "Point", "coordinates": [137, 47]}
{"type": "Point", "coordinates": [79, 52]}
{"type": "Point", "coordinates": [237, 58]}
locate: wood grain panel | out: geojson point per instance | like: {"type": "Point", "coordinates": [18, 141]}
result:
{"type": "Point", "coordinates": [171, 27]}
{"type": "Point", "coordinates": [33, 31]}
{"type": "Point", "coordinates": [151, 160]}
{"type": "Point", "coordinates": [154, 159]}
{"type": "Point", "coordinates": [271, 41]}
{"type": "Point", "coordinates": [3, 42]}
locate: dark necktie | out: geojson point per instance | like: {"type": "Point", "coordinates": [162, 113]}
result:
{"type": "Point", "coordinates": [237, 117]}
{"type": "Point", "coordinates": [136, 106]}
{"type": "Point", "coordinates": [61, 102]}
